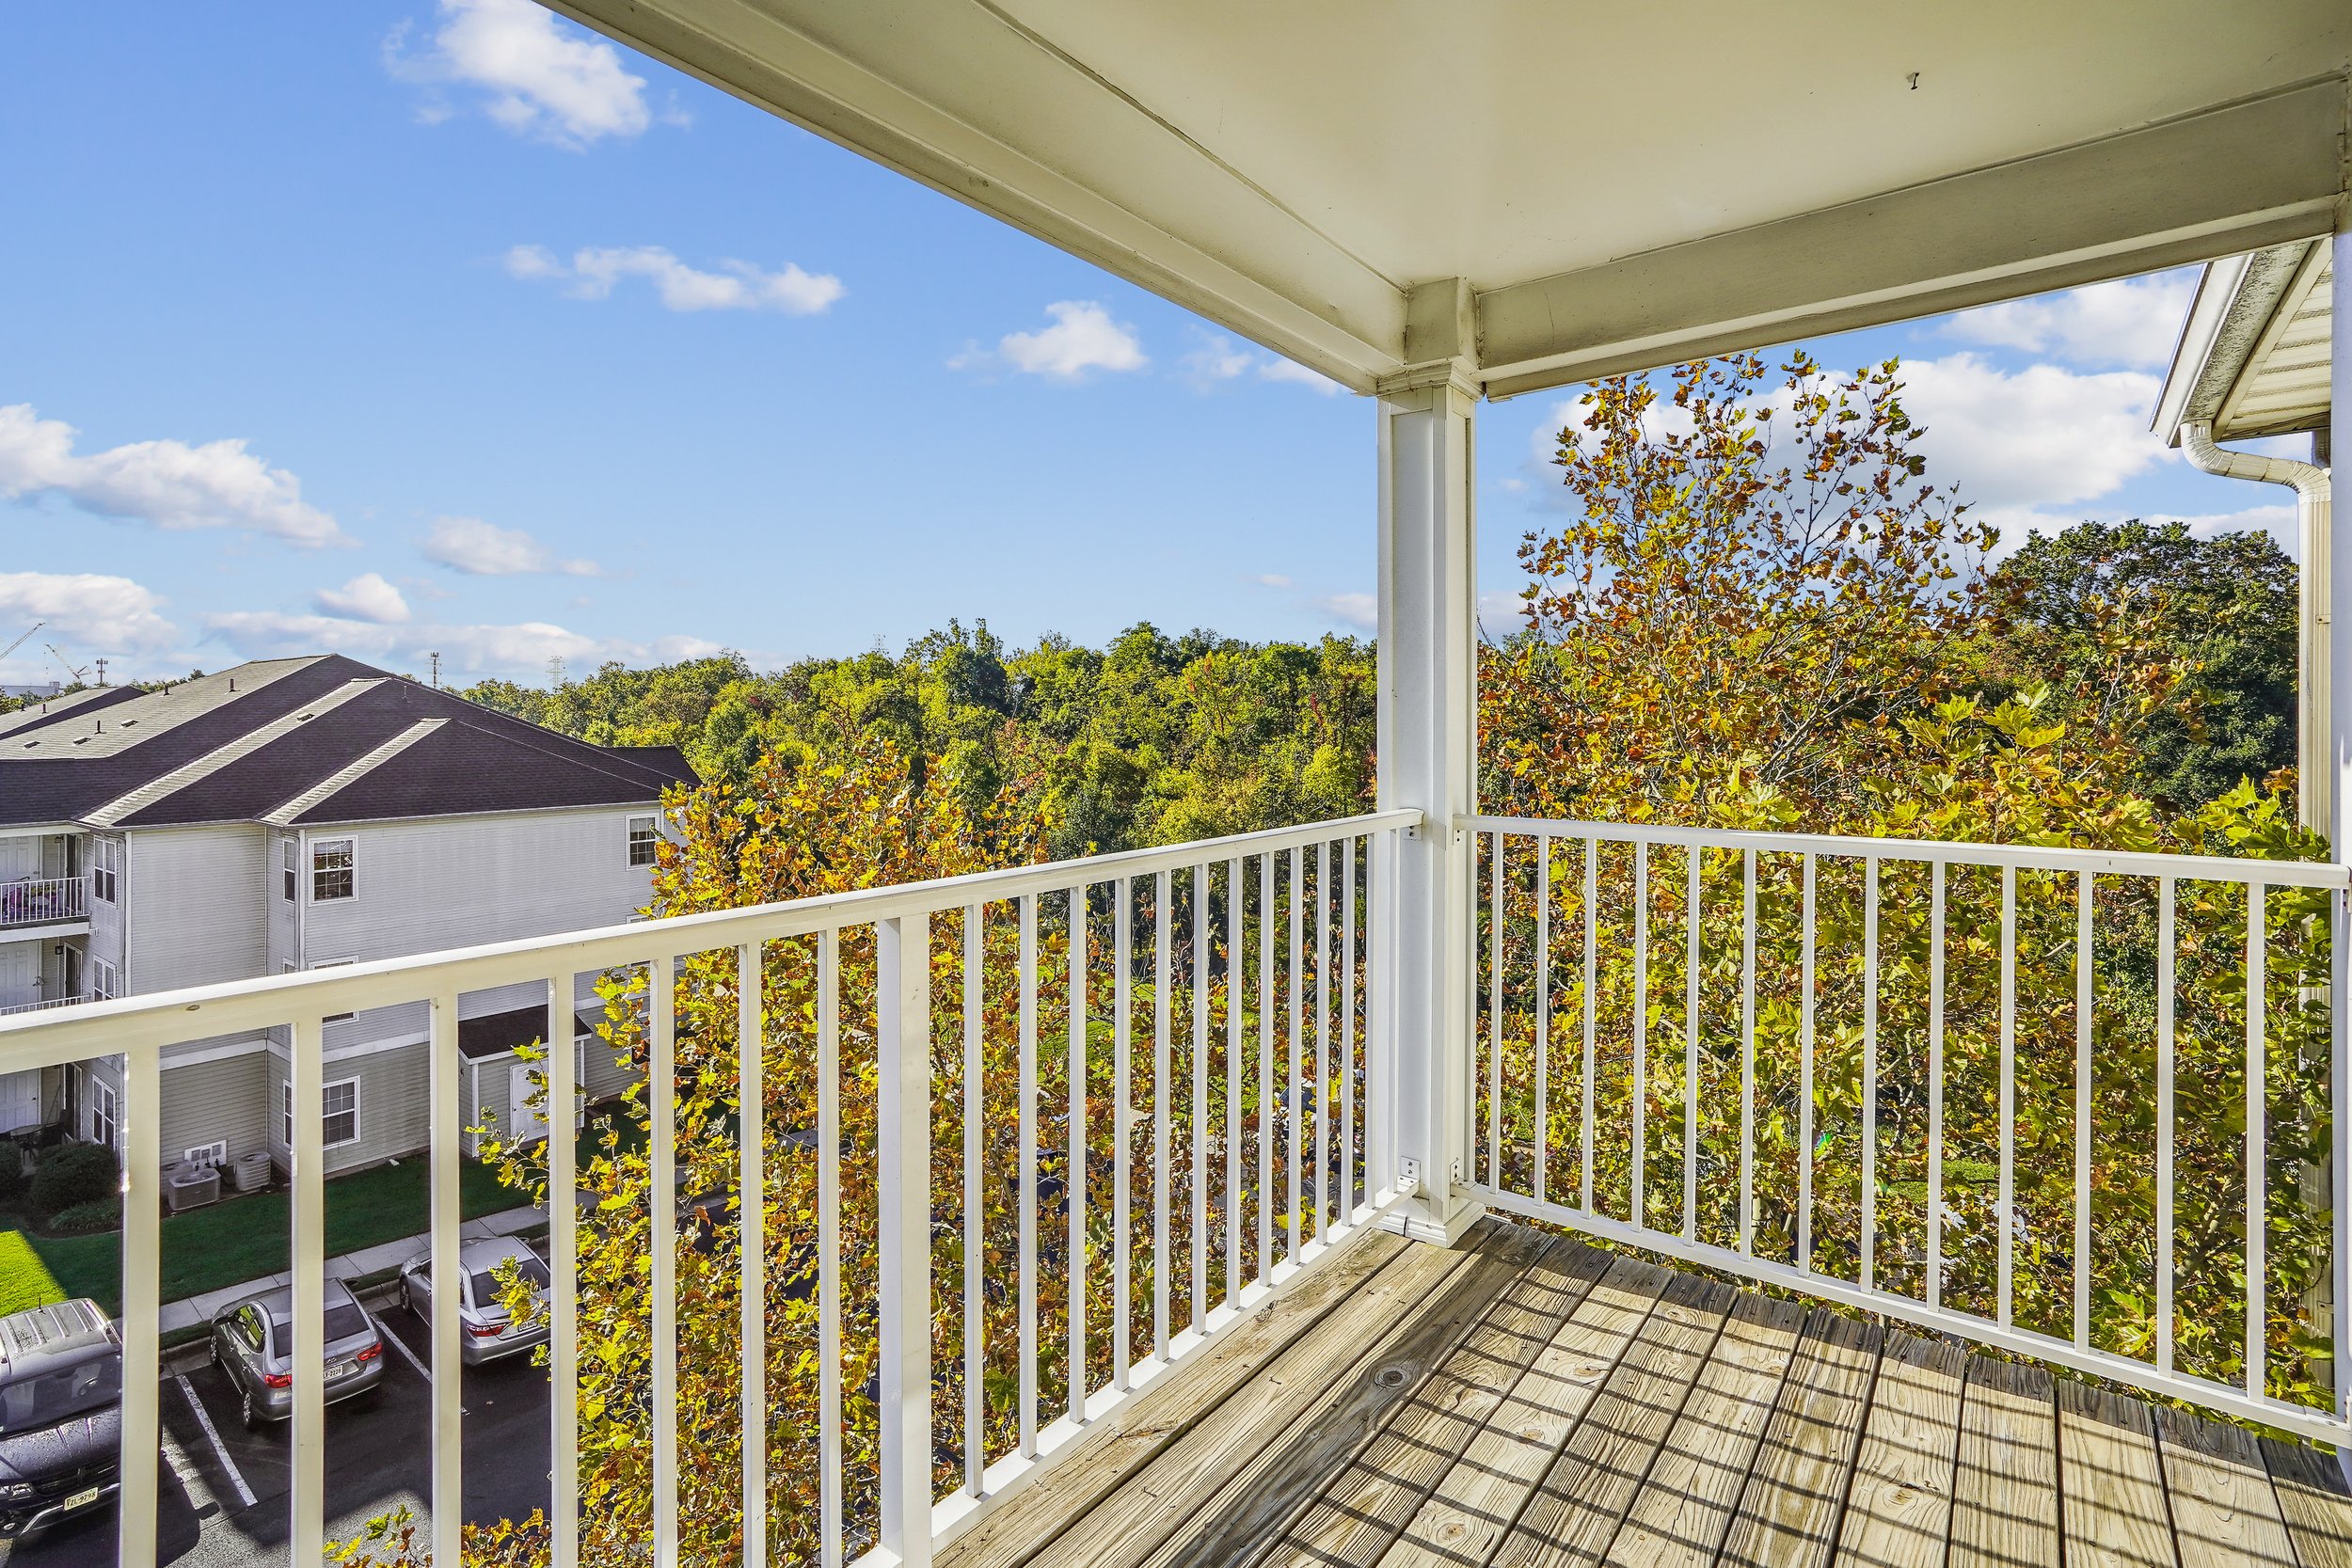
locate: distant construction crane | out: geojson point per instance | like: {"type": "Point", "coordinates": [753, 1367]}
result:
{"type": "Point", "coordinates": [21, 637]}
{"type": "Point", "coordinates": [78, 673]}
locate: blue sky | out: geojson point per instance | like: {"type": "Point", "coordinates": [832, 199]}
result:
{"type": "Point", "coordinates": [445, 324]}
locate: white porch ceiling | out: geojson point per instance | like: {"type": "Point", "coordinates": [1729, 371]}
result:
{"type": "Point", "coordinates": [1618, 184]}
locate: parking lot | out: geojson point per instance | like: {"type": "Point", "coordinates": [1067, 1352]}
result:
{"type": "Point", "coordinates": [224, 1499]}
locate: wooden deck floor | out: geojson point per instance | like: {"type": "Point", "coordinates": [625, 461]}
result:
{"type": "Point", "coordinates": [1526, 1399]}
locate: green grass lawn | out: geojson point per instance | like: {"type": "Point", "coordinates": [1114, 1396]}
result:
{"type": "Point", "coordinates": [244, 1238]}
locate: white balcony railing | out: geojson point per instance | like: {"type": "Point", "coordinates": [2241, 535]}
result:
{"type": "Point", "coordinates": [43, 901]}
{"type": "Point", "coordinates": [2012, 1094]}
{"type": "Point", "coordinates": [42, 1006]}
{"type": "Point", "coordinates": [1053, 1130]}
{"type": "Point", "coordinates": [1208, 1123]}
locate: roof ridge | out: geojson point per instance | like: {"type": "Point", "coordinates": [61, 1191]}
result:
{"type": "Point", "coordinates": [146, 795]}
{"type": "Point", "coordinates": [335, 782]}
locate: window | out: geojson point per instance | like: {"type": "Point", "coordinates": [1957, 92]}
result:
{"type": "Point", "coordinates": [340, 1109]}
{"type": "Point", "coordinates": [330, 869]}
{"type": "Point", "coordinates": [641, 839]}
{"type": "Point", "coordinates": [286, 867]}
{"type": "Point", "coordinates": [107, 869]}
{"type": "Point", "coordinates": [102, 980]}
{"type": "Point", "coordinates": [101, 1114]}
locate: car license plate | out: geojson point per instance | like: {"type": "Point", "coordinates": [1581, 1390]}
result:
{"type": "Point", "coordinates": [341, 1370]}
{"type": "Point", "coordinates": [80, 1498]}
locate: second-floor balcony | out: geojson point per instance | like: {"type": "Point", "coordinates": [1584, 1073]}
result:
{"type": "Point", "coordinates": [34, 902]}
{"type": "Point", "coordinates": [1116, 1211]}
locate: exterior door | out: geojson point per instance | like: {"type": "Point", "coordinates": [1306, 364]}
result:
{"type": "Point", "coordinates": [526, 1118]}
{"type": "Point", "coordinates": [20, 1100]}
{"type": "Point", "coordinates": [19, 971]}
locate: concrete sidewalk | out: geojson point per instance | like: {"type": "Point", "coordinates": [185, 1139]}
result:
{"type": "Point", "coordinates": [198, 1311]}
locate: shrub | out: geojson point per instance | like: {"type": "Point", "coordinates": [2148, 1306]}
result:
{"type": "Point", "coordinates": [87, 1219]}
{"type": "Point", "coordinates": [11, 1174]}
{"type": "Point", "coordinates": [71, 1175]}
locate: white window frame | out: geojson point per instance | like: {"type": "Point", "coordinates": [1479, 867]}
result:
{"type": "Point", "coordinates": [290, 884]}
{"type": "Point", "coordinates": [286, 1112]}
{"type": "Point", "coordinates": [102, 1108]}
{"type": "Point", "coordinates": [106, 871]}
{"type": "Point", "coordinates": [350, 870]}
{"type": "Point", "coordinates": [104, 981]}
{"type": "Point", "coordinates": [651, 828]}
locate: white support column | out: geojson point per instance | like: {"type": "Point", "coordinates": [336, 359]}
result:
{"type": "Point", "coordinates": [1428, 740]}
{"type": "Point", "coordinates": [2338, 825]}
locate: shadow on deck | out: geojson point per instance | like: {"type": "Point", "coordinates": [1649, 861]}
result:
{"type": "Point", "coordinates": [1528, 1399]}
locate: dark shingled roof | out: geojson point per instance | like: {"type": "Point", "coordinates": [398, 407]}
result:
{"type": "Point", "coordinates": [495, 1033]}
{"type": "Point", "coordinates": [408, 750]}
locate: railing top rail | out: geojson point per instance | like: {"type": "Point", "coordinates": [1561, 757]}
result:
{"type": "Point", "coordinates": [2034, 857]}
{"type": "Point", "coordinates": [103, 1029]}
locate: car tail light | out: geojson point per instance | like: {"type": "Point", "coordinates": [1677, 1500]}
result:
{"type": "Point", "coordinates": [484, 1331]}
{"type": "Point", "coordinates": [370, 1354]}
{"type": "Point", "coordinates": [278, 1380]}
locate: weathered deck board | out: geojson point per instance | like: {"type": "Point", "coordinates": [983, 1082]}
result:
{"type": "Point", "coordinates": [1899, 1511]}
{"type": "Point", "coordinates": [1787, 1516]}
{"type": "Point", "coordinates": [1680, 1516]}
{"type": "Point", "coordinates": [2316, 1502]}
{"type": "Point", "coordinates": [1128, 1441]}
{"type": "Point", "coordinates": [2110, 1482]}
{"type": "Point", "coordinates": [1467, 1514]}
{"type": "Point", "coordinates": [1530, 1401]}
{"type": "Point", "coordinates": [2005, 1507]}
{"type": "Point", "coordinates": [1575, 1512]}
{"type": "Point", "coordinates": [2224, 1508]}
{"type": "Point", "coordinates": [1271, 1472]}
{"type": "Point", "coordinates": [1361, 1511]}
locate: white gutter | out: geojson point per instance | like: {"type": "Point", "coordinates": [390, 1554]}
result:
{"type": "Point", "coordinates": [2314, 750]}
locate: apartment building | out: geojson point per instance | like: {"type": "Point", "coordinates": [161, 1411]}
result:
{"type": "Point", "coordinates": [302, 814]}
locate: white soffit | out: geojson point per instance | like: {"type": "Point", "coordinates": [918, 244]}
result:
{"type": "Point", "coordinates": [2253, 357]}
{"type": "Point", "coordinates": [1619, 185]}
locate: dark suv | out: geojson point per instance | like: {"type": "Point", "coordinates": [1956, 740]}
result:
{"type": "Point", "coordinates": [60, 1414]}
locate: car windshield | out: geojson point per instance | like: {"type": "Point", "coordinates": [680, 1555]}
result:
{"type": "Point", "coordinates": [486, 1289]}
{"type": "Point", "coordinates": [342, 1321]}
{"type": "Point", "coordinates": [41, 1402]}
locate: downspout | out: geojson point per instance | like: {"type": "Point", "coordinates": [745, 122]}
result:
{"type": "Point", "coordinates": [2314, 750]}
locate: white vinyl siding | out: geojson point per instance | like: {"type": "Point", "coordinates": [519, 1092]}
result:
{"type": "Point", "coordinates": [195, 907]}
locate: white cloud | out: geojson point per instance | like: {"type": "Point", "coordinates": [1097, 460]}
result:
{"type": "Point", "coordinates": [1219, 359]}
{"type": "Point", "coordinates": [84, 611]}
{"type": "Point", "coordinates": [2037, 436]}
{"type": "Point", "coordinates": [365, 598]}
{"type": "Point", "coordinates": [2277, 519]}
{"type": "Point", "coordinates": [1359, 610]}
{"type": "Point", "coordinates": [1298, 375]}
{"type": "Point", "coordinates": [1270, 580]}
{"type": "Point", "coordinates": [1216, 359]}
{"type": "Point", "coordinates": [535, 76]}
{"type": "Point", "coordinates": [2131, 322]}
{"type": "Point", "coordinates": [480, 649]}
{"type": "Point", "coordinates": [483, 549]}
{"type": "Point", "coordinates": [592, 272]}
{"type": "Point", "coordinates": [1082, 338]}
{"type": "Point", "coordinates": [167, 483]}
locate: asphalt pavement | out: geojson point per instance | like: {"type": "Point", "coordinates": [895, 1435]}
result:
{"type": "Point", "coordinates": [225, 1492]}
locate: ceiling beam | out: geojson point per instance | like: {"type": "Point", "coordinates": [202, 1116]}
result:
{"type": "Point", "coordinates": [2222, 181]}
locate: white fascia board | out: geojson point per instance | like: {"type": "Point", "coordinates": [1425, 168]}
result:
{"type": "Point", "coordinates": [2216, 292]}
{"type": "Point", "coordinates": [1168, 216]}
{"type": "Point", "coordinates": [44, 829]}
{"type": "Point", "coordinates": [2257, 173]}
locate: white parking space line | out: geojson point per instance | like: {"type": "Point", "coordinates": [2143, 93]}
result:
{"type": "Point", "coordinates": [384, 1330]}
{"type": "Point", "coordinates": [221, 1449]}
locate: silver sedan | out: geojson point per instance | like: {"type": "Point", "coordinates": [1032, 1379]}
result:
{"type": "Point", "coordinates": [487, 1331]}
{"type": "Point", "coordinates": [253, 1344]}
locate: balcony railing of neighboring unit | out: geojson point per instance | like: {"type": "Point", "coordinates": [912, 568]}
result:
{"type": "Point", "coordinates": [2012, 1094]}
{"type": "Point", "coordinates": [43, 901]}
{"type": "Point", "coordinates": [39, 1006]}
{"type": "Point", "coordinates": [950, 1165]}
